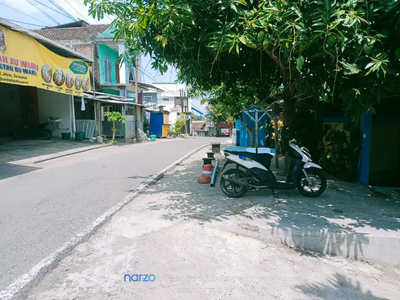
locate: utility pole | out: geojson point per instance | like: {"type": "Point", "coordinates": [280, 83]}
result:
{"type": "Point", "coordinates": [136, 95]}
{"type": "Point", "coordinates": [184, 107]}
{"type": "Point", "coordinates": [184, 99]}
{"type": "Point", "coordinates": [97, 104]}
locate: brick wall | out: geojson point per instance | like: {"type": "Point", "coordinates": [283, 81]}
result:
{"type": "Point", "coordinates": [84, 49]}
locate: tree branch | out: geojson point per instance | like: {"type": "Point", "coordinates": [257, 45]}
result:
{"type": "Point", "coordinates": [271, 53]}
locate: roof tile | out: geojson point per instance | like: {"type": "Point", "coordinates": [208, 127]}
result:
{"type": "Point", "coordinates": [72, 33]}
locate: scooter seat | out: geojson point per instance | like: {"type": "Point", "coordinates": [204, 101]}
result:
{"type": "Point", "coordinates": [262, 158]}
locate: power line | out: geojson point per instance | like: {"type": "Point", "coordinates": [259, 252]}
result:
{"type": "Point", "coordinates": [63, 10]}
{"type": "Point", "coordinates": [76, 11]}
{"type": "Point", "coordinates": [51, 8]}
{"type": "Point", "coordinates": [24, 23]}
{"type": "Point", "coordinates": [154, 80]}
{"type": "Point", "coordinates": [24, 14]}
{"type": "Point", "coordinates": [43, 12]}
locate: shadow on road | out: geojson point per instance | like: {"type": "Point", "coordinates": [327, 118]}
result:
{"type": "Point", "coordinates": [338, 287]}
{"type": "Point", "coordinates": [330, 219]}
{"type": "Point", "coordinates": [9, 170]}
{"type": "Point", "coordinates": [14, 150]}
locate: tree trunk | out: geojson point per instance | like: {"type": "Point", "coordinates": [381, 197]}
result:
{"type": "Point", "coordinates": [289, 113]}
{"type": "Point", "coordinates": [249, 130]}
{"type": "Point", "coordinates": [289, 119]}
{"type": "Point", "coordinates": [113, 130]}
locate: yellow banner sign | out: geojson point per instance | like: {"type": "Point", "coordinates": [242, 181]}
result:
{"type": "Point", "coordinates": [24, 61]}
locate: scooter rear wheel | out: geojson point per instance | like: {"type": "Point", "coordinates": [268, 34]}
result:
{"type": "Point", "coordinates": [46, 134]}
{"type": "Point", "coordinates": [230, 189]}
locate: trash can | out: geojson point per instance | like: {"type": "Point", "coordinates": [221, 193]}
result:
{"type": "Point", "coordinates": [66, 135]}
{"type": "Point", "coordinates": [153, 137]}
{"type": "Point", "coordinates": [79, 135]}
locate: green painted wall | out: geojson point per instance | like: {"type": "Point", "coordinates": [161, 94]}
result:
{"type": "Point", "coordinates": [112, 56]}
{"type": "Point", "coordinates": [108, 33]}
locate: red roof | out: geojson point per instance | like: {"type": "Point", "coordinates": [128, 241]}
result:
{"type": "Point", "coordinates": [224, 125]}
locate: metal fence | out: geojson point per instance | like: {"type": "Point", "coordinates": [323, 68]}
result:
{"type": "Point", "coordinates": [86, 126]}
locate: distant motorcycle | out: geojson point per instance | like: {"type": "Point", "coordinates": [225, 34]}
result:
{"type": "Point", "coordinates": [29, 130]}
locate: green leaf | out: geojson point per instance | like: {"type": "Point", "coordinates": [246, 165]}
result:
{"type": "Point", "coordinates": [397, 53]}
{"type": "Point", "coordinates": [331, 41]}
{"type": "Point", "coordinates": [369, 65]}
{"type": "Point", "coordinates": [265, 43]}
{"type": "Point", "coordinates": [260, 37]}
{"type": "Point", "coordinates": [385, 33]}
{"type": "Point", "coordinates": [245, 40]}
{"type": "Point", "coordinates": [300, 63]}
{"type": "Point", "coordinates": [368, 48]}
{"type": "Point", "coordinates": [351, 69]}
{"type": "Point", "coordinates": [240, 1]}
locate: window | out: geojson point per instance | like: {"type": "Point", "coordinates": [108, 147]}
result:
{"type": "Point", "coordinates": [105, 108]}
{"type": "Point", "coordinates": [129, 110]}
{"type": "Point", "coordinates": [107, 70]}
{"type": "Point", "coordinates": [117, 73]}
{"type": "Point", "coordinates": [148, 99]}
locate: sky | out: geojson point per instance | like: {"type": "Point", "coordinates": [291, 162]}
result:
{"type": "Point", "coordinates": [24, 11]}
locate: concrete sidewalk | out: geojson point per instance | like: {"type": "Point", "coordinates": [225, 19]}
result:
{"type": "Point", "coordinates": [27, 152]}
{"type": "Point", "coordinates": [200, 244]}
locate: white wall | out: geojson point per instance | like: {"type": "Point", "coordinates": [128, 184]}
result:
{"type": "Point", "coordinates": [122, 69]}
{"type": "Point", "coordinates": [170, 89]}
{"type": "Point", "coordinates": [173, 117]}
{"type": "Point", "coordinates": [57, 106]}
{"type": "Point", "coordinates": [168, 104]}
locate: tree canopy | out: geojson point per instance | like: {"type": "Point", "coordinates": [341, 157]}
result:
{"type": "Point", "coordinates": [255, 50]}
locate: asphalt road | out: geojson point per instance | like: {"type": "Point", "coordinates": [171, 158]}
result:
{"type": "Point", "coordinates": [41, 210]}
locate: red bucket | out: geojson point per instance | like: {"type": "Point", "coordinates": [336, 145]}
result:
{"type": "Point", "coordinates": [208, 169]}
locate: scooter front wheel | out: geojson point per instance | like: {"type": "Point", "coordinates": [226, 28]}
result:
{"type": "Point", "coordinates": [230, 189]}
{"type": "Point", "coordinates": [314, 186]}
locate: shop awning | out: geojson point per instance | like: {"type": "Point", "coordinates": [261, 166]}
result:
{"type": "Point", "coordinates": [52, 46]}
{"type": "Point", "coordinates": [109, 98]}
{"type": "Point", "coordinates": [129, 87]}
{"type": "Point", "coordinates": [28, 59]}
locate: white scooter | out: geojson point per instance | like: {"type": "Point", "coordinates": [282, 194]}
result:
{"type": "Point", "coordinates": [303, 174]}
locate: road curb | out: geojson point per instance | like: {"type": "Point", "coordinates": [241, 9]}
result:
{"type": "Point", "coordinates": [22, 284]}
{"type": "Point", "coordinates": [350, 245]}
{"type": "Point", "coordinates": [68, 154]}
{"type": "Point", "coordinates": [361, 246]}
{"type": "Point", "coordinates": [71, 152]}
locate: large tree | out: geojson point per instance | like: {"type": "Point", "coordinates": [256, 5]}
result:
{"type": "Point", "coordinates": [336, 49]}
